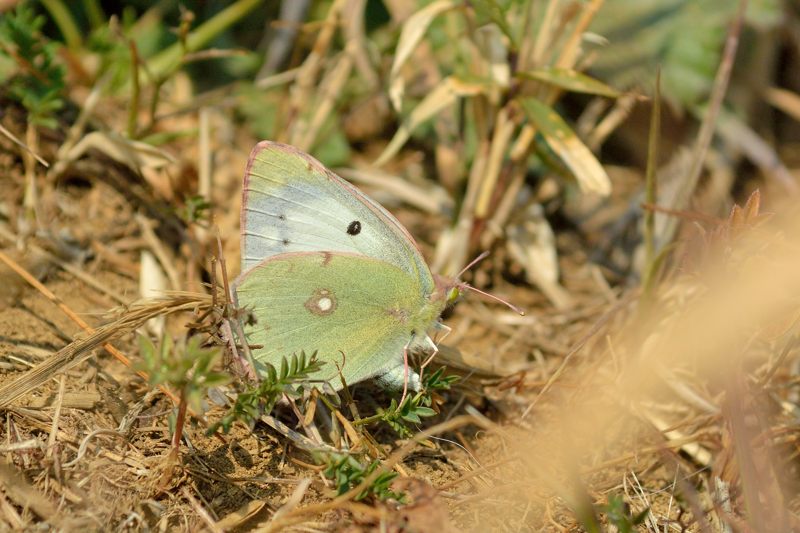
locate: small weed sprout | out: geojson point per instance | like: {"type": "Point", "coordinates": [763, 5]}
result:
{"type": "Point", "coordinates": [38, 85]}
{"type": "Point", "coordinates": [414, 408]}
{"type": "Point", "coordinates": [196, 209]}
{"type": "Point", "coordinates": [39, 82]}
{"type": "Point", "coordinates": [619, 514]}
{"type": "Point", "coordinates": [186, 367]}
{"type": "Point", "coordinates": [346, 473]}
{"type": "Point", "coordinates": [290, 379]}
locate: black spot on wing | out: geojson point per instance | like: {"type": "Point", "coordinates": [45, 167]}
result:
{"type": "Point", "coordinates": [354, 228]}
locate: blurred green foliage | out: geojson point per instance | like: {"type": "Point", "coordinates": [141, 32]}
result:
{"type": "Point", "coordinates": [34, 77]}
{"type": "Point", "coordinates": [683, 37]}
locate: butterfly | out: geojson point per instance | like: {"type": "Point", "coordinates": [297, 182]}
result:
{"type": "Point", "coordinates": [327, 269]}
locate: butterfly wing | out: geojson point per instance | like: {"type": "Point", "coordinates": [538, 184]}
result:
{"type": "Point", "coordinates": [343, 306]}
{"type": "Point", "coordinates": [292, 203]}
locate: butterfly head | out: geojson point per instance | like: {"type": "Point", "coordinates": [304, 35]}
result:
{"type": "Point", "coordinates": [451, 290]}
{"type": "Point", "coordinates": [448, 290]}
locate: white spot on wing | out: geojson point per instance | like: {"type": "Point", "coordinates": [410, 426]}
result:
{"type": "Point", "coordinates": [324, 304]}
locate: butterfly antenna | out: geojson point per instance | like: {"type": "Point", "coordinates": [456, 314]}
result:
{"type": "Point", "coordinates": [511, 306]}
{"type": "Point", "coordinates": [473, 263]}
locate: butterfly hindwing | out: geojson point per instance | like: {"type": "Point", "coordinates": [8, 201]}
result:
{"type": "Point", "coordinates": [292, 203]}
{"type": "Point", "coordinates": [343, 306]}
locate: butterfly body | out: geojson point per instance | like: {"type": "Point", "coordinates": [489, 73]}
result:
{"type": "Point", "coordinates": [327, 269]}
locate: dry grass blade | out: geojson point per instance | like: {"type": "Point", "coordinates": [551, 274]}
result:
{"type": "Point", "coordinates": [24, 146]}
{"type": "Point", "coordinates": [431, 199]}
{"type": "Point", "coordinates": [571, 50]}
{"type": "Point", "coordinates": [357, 42]}
{"type": "Point", "coordinates": [441, 97]}
{"type": "Point", "coordinates": [330, 88]}
{"type": "Point", "coordinates": [306, 77]}
{"type": "Point", "coordinates": [161, 253]}
{"type": "Point", "coordinates": [81, 349]}
{"type": "Point", "coordinates": [744, 138]}
{"type": "Point", "coordinates": [532, 242]}
{"type": "Point", "coordinates": [66, 267]}
{"type": "Point", "coordinates": [413, 30]}
{"type": "Point", "coordinates": [651, 191]}
{"type": "Point", "coordinates": [294, 500]}
{"type": "Point", "coordinates": [706, 133]}
{"type": "Point", "coordinates": [26, 496]}
{"type": "Point", "coordinates": [503, 132]}
{"type": "Point", "coordinates": [131, 153]}
{"type": "Point", "coordinates": [785, 100]}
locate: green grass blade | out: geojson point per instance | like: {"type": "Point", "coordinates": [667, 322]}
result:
{"type": "Point", "coordinates": [588, 171]}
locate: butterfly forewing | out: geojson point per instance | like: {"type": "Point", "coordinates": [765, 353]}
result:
{"type": "Point", "coordinates": [291, 203]}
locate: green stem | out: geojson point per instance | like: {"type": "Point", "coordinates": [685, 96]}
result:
{"type": "Point", "coordinates": [369, 419]}
{"type": "Point", "coordinates": [94, 12]}
{"type": "Point", "coordinates": [651, 192]}
{"type": "Point", "coordinates": [66, 24]}
{"type": "Point", "coordinates": [133, 110]}
{"type": "Point", "coordinates": [168, 61]}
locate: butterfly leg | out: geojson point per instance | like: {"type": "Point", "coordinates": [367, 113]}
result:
{"type": "Point", "coordinates": [429, 359]}
{"type": "Point", "coordinates": [438, 327]}
{"type": "Point", "coordinates": [405, 370]}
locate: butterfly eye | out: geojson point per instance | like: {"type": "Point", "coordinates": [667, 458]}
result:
{"type": "Point", "coordinates": [453, 294]}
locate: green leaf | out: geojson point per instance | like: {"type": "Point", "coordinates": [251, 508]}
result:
{"type": "Point", "coordinates": [170, 59]}
{"type": "Point", "coordinates": [412, 417]}
{"type": "Point", "coordinates": [491, 10]}
{"type": "Point", "coordinates": [588, 171]}
{"type": "Point", "coordinates": [424, 411]}
{"type": "Point", "coordinates": [570, 80]}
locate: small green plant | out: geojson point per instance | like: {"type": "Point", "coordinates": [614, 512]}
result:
{"type": "Point", "coordinates": [619, 514]}
{"type": "Point", "coordinates": [414, 408]}
{"type": "Point", "coordinates": [347, 473]}
{"type": "Point", "coordinates": [290, 380]}
{"type": "Point", "coordinates": [438, 381]}
{"type": "Point", "coordinates": [411, 411]}
{"type": "Point", "coordinates": [186, 367]}
{"type": "Point", "coordinates": [38, 83]}
{"type": "Point", "coordinates": [197, 209]}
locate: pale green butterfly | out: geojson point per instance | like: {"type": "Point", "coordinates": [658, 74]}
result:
{"type": "Point", "coordinates": [325, 268]}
